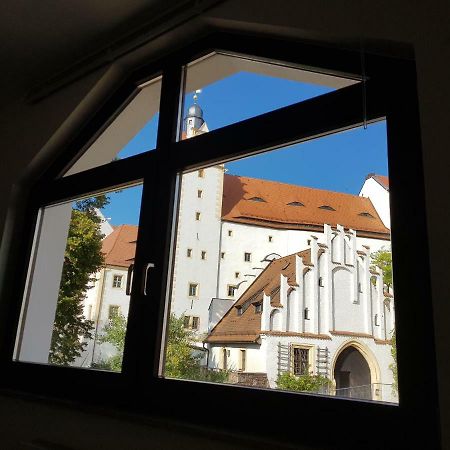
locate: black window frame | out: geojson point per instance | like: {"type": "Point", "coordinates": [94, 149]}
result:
{"type": "Point", "coordinates": [388, 91]}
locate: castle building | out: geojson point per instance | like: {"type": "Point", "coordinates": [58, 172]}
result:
{"type": "Point", "coordinates": [233, 232]}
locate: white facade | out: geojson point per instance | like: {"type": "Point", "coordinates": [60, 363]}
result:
{"type": "Point", "coordinates": [379, 196]}
{"type": "Point", "coordinates": [347, 307]}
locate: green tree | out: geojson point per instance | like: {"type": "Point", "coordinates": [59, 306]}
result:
{"type": "Point", "coordinates": [393, 365]}
{"type": "Point", "coordinates": [303, 383]}
{"type": "Point", "coordinates": [181, 360]}
{"type": "Point", "coordinates": [82, 259]}
{"type": "Point", "coordinates": [383, 259]}
{"type": "Point", "coordinates": [114, 333]}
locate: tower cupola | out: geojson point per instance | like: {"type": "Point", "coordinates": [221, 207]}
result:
{"type": "Point", "coordinates": [194, 118]}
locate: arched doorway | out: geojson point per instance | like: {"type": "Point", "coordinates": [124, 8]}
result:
{"type": "Point", "coordinates": [352, 375]}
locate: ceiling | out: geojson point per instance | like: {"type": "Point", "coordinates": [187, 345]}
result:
{"type": "Point", "coordinates": [38, 39]}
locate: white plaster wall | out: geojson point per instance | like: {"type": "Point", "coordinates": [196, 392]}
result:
{"type": "Point", "coordinates": [202, 235]}
{"type": "Point", "coordinates": [255, 362]}
{"type": "Point", "coordinates": [379, 197]}
{"type": "Point", "coordinates": [382, 353]}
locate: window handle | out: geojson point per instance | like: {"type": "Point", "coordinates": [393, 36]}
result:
{"type": "Point", "coordinates": [129, 278]}
{"type": "Point", "coordinates": [146, 268]}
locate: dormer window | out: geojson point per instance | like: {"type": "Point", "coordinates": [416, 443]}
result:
{"type": "Point", "coordinates": [327, 208]}
{"type": "Point", "coordinates": [257, 199]}
{"type": "Point", "coordinates": [295, 204]}
{"type": "Point", "coordinates": [366, 214]}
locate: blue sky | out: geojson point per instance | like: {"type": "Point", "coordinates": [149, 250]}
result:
{"type": "Point", "coordinates": [337, 162]}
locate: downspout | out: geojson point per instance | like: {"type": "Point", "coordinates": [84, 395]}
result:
{"type": "Point", "coordinates": [99, 309]}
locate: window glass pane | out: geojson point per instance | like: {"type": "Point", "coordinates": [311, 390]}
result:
{"type": "Point", "coordinates": [313, 307]}
{"type": "Point", "coordinates": [76, 303]}
{"type": "Point", "coordinates": [222, 89]}
{"type": "Point", "coordinates": [131, 132]}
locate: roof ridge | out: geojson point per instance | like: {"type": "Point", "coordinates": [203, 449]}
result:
{"type": "Point", "coordinates": [295, 185]}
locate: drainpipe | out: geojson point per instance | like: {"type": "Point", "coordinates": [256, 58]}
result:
{"type": "Point", "coordinates": [99, 309]}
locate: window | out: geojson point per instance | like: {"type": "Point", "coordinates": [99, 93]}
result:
{"type": "Point", "coordinates": [321, 282]}
{"type": "Point", "coordinates": [230, 232]}
{"type": "Point", "coordinates": [327, 208]}
{"type": "Point", "coordinates": [306, 314]}
{"type": "Point", "coordinates": [242, 359]}
{"type": "Point", "coordinates": [257, 199]}
{"type": "Point", "coordinates": [113, 311]}
{"type": "Point", "coordinates": [193, 289]}
{"type": "Point", "coordinates": [203, 254]}
{"type": "Point", "coordinates": [189, 253]}
{"type": "Point", "coordinates": [191, 322]}
{"type": "Point", "coordinates": [321, 118]}
{"type": "Point", "coordinates": [197, 215]}
{"type": "Point", "coordinates": [195, 322]}
{"type": "Point", "coordinates": [296, 204]}
{"type": "Point", "coordinates": [199, 193]}
{"type": "Point", "coordinates": [117, 281]}
{"type": "Point", "coordinates": [270, 239]}
{"type": "Point", "coordinates": [300, 361]}
{"type": "Point", "coordinates": [231, 290]}
{"type": "Point", "coordinates": [236, 274]}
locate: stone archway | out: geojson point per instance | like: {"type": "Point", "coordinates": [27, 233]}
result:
{"type": "Point", "coordinates": [352, 375]}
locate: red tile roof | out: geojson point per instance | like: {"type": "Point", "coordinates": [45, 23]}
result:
{"type": "Point", "coordinates": [119, 247]}
{"type": "Point", "coordinates": [383, 180]}
{"type": "Point", "coordinates": [348, 210]}
{"type": "Point", "coordinates": [274, 212]}
{"type": "Point", "coordinates": [233, 325]}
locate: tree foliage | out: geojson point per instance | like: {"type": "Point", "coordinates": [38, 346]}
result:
{"type": "Point", "coordinates": [82, 259]}
{"type": "Point", "coordinates": [181, 359]}
{"type": "Point", "coordinates": [383, 260]}
{"type": "Point", "coordinates": [114, 333]}
{"type": "Point", "coordinates": [303, 383]}
{"type": "Point", "coordinates": [393, 365]}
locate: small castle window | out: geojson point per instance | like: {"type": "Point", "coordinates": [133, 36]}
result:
{"type": "Point", "coordinates": [247, 257]}
{"type": "Point", "coordinates": [230, 232]}
{"type": "Point", "coordinates": [231, 290]}
{"type": "Point", "coordinates": [203, 254]}
{"type": "Point", "coordinates": [270, 238]}
{"type": "Point", "coordinates": [193, 289]}
{"type": "Point", "coordinates": [117, 281]}
{"type": "Point", "coordinates": [201, 173]}
{"type": "Point", "coordinates": [295, 204]}
{"type": "Point", "coordinates": [113, 312]}
{"type": "Point", "coordinates": [197, 215]}
{"type": "Point", "coordinates": [189, 252]}
{"type": "Point", "coordinates": [327, 208]}
{"type": "Point", "coordinates": [222, 255]}
{"type": "Point", "coordinates": [195, 323]}
{"type": "Point", "coordinates": [199, 193]}
{"type": "Point", "coordinates": [236, 274]}
{"type": "Point", "coordinates": [306, 313]}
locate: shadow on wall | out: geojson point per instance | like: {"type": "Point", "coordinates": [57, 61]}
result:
{"type": "Point", "coordinates": [233, 191]}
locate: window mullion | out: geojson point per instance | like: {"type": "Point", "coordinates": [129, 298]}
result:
{"type": "Point", "coordinates": [156, 219]}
